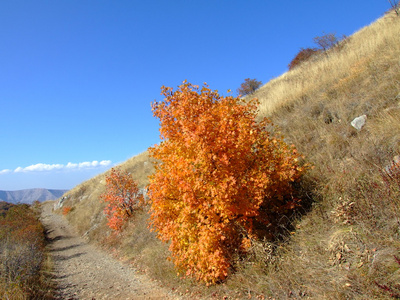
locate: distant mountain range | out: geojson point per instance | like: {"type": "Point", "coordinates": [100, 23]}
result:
{"type": "Point", "coordinates": [30, 195]}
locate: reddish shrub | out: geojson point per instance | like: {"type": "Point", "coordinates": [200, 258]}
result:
{"type": "Point", "coordinates": [122, 196]}
{"type": "Point", "coordinates": [302, 56]}
{"type": "Point", "coordinates": [66, 210]}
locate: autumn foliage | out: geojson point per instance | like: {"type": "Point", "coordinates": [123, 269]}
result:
{"type": "Point", "coordinates": [220, 177]}
{"type": "Point", "coordinates": [22, 224]}
{"type": "Point", "coordinates": [22, 243]}
{"type": "Point", "coordinates": [66, 210]}
{"type": "Point", "coordinates": [123, 198]}
{"type": "Point", "coordinates": [302, 56]}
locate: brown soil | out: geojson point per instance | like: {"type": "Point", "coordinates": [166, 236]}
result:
{"type": "Point", "coordinates": [82, 271]}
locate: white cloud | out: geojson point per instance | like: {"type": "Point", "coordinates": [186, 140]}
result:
{"type": "Point", "coordinates": [41, 167]}
{"type": "Point", "coordinates": [70, 165]}
{"type": "Point", "coordinates": [53, 167]}
{"type": "Point", "coordinates": [84, 165]}
{"type": "Point", "coordinates": [105, 163]}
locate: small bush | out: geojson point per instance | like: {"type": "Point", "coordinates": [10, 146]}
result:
{"type": "Point", "coordinates": [302, 56]}
{"type": "Point", "coordinates": [326, 41]}
{"type": "Point", "coordinates": [122, 195]}
{"type": "Point", "coordinates": [4, 206]}
{"type": "Point", "coordinates": [66, 210]}
{"type": "Point", "coordinates": [249, 86]}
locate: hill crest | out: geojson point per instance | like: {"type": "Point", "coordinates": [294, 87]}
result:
{"type": "Point", "coordinates": [28, 196]}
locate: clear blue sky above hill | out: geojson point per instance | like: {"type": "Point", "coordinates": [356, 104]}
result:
{"type": "Point", "coordinates": [77, 77]}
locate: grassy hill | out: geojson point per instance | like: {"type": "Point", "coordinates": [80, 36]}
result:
{"type": "Point", "coordinates": [346, 245]}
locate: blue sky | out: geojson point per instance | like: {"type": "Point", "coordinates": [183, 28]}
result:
{"type": "Point", "coordinates": [77, 77]}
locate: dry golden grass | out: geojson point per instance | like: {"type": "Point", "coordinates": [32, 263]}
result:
{"type": "Point", "coordinates": [87, 213]}
{"type": "Point", "coordinates": [362, 50]}
{"type": "Point", "coordinates": [344, 246]}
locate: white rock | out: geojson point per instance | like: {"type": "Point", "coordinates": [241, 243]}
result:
{"type": "Point", "coordinates": [359, 122]}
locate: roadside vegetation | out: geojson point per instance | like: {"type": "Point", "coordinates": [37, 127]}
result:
{"type": "Point", "coordinates": [23, 260]}
{"type": "Point", "coordinates": [345, 243]}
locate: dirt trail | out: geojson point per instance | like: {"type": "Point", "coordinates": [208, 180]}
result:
{"type": "Point", "coordinates": [82, 271]}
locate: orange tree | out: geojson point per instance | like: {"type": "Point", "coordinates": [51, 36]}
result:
{"type": "Point", "coordinates": [123, 198]}
{"type": "Point", "coordinates": [218, 173]}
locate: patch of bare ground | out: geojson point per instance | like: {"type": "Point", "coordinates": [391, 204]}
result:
{"type": "Point", "coordinates": [82, 271]}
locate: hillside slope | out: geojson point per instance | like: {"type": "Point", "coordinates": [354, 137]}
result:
{"type": "Point", "coordinates": [345, 246]}
{"type": "Point", "coordinates": [86, 195]}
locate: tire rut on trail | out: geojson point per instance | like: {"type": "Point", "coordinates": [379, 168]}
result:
{"type": "Point", "coordinates": [81, 271]}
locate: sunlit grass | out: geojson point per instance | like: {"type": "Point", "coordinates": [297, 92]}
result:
{"type": "Point", "coordinates": [344, 246]}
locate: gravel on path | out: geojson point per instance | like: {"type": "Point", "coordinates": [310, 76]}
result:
{"type": "Point", "coordinates": [82, 271]}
